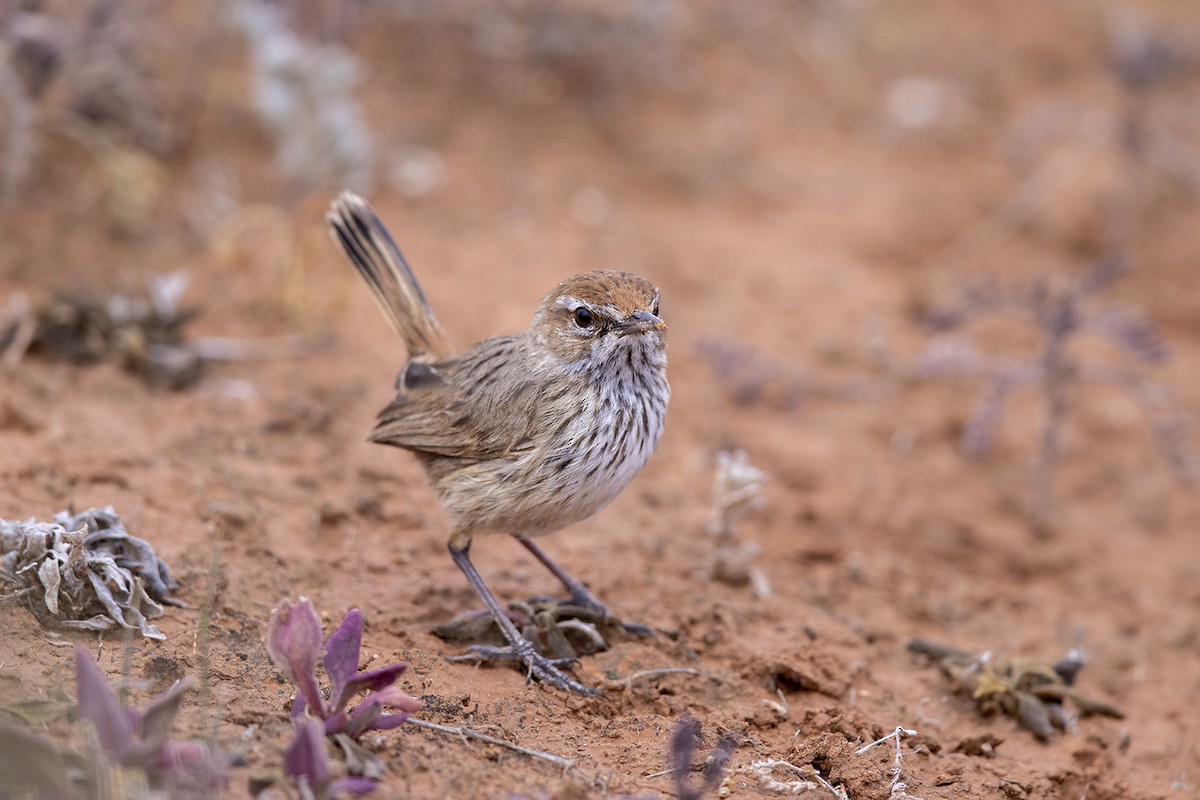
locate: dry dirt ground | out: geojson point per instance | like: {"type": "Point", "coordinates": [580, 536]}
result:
{"type": "Point", "coordinates": [802, 180]}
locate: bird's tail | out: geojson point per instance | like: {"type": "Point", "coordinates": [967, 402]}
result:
{"type": "Point", "coordinates": [357, 228]}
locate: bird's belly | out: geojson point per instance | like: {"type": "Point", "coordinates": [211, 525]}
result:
{"type": "Point", "coordinates": [598, 454]}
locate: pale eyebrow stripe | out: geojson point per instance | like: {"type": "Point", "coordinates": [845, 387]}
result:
{"type": "Point", "coordinates": [567, 301]}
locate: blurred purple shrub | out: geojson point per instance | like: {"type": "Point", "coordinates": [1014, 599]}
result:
{"type": "Point", "coordinates": [30, 761]}
{"type": "Point", "coordinates": [141, 739]}
{"type": "Point", "coordinates": [751, 378]}
{"type": "Point", "coordinates": [685, 740]}
{"type": "Point", "coordinates": [1061, 316]}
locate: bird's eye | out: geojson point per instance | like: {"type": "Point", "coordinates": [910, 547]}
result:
{"type": "Point", "coordinates": [583, 317]}
{"type": "Point", "coordinates": [654, 310]}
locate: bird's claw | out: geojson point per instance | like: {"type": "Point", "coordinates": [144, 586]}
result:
{"type": "Point", "coordinates": [540, 667]}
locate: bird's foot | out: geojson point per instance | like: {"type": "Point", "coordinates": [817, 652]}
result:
{"type": "Point", "coordinates": [537, 665]}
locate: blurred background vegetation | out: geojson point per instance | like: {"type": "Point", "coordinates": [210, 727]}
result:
{"type": "Point", "coordinates": [933, 135]}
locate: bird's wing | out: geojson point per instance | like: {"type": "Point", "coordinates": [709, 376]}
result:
{"type": "Point", "coordinates": [469, 407]}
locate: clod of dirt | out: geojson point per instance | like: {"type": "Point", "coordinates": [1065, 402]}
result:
{"type": "Point", "coordinates": [851, 724]}
{"type": "Point", "coordinates": [835, 759]}
{"type": "Point", "coordinates": [809, 671]}
{"type": "Point", "coordinates": [13, 418]}
{"type": "Point", "coordinates": [163, 671]}
{"type": "Point", "coordinates": [984, 745]}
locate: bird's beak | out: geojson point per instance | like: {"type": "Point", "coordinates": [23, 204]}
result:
{"type": "Point", "coordinates": [639, 322]}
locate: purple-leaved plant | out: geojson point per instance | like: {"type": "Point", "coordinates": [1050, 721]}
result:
{"type": "Point", "coordinates": [685, 739]}
{"type": "Point", "coordinates": [1061, 316]}
{"type": "Point", "coordinates": [30, 763]}
{"type": "Point", "coordinates": [306, 762]}
{"type": "Point", "coordinates": [141, 739]}
{"type": "Point", "coordinates": [294, 642]}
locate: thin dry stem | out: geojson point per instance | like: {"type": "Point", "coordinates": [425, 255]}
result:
{"type": "Point", "coordinates": [626, 683]}
{"type": "Point", "coordinates": [805, 779]}
{"type": "Point", "coordinates": [468, 733]}
{"type": "Point", "coordinates": [898, 789]}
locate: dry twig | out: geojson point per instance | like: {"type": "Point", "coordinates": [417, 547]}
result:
{"type": "Point", "coordinates": [468, 733]}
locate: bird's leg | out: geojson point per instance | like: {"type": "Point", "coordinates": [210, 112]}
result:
{"type": "Point", "coordinates": [520, 649]}
{"type": "Point", "coordinates": [580, 594]}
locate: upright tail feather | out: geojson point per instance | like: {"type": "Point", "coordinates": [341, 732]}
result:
{"type": "Point", "coordinates": [355, 226]}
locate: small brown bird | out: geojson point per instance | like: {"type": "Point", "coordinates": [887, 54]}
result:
{"type": "Point", "coordinates": [521, 434]}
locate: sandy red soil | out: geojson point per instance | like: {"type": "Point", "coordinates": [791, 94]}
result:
{"type": "Point", "coordinates": [747, 160]}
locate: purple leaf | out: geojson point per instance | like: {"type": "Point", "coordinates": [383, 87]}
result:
{"type": "Point", "coordinates": [32, 761]}
{"type": "Point", "coordinates": [1132, 332]}
{"type": "Point", "coordinates": [714, 767]}
{"type": "Point", "coordinates": [395, 697]}
{"type": "Point", "coordinates": [369, 682]}
{"type": "Point", "coordinates": [156, 720]}
{"type": "Point", "coordinates": [307, 763]}
{"type": "Point", "coordinates": [363, 719]}
{"type": "Point", "coordinates": [1100, 275]}
{"type": "Point", "coordinates": [293, 639]}
{"type": "Point", "coordinates": [389, 721]}
{"type": "Point", "coordinates": [306, 756]}
{"type": "Point", "coordinates": [353, 785]}
{"type": "Point", "coordinates": [191, 769]}
{"type": "Point", "coordinates": [341, 655]}
{"type": "Point", "coordinates": [684, 740]}
{"type": "Point", "coordinates": [369, 716]}
{"type": "Point", "coordinates": [98, 704]}
{"type": "Point", "coordinates": [142, 740]}
{"type": "Point", "coordinates": [977, 433]}
{"type": "Point", "coordinates": [337, 722]}
{"type": "Point", "coordinates": [294, 643]}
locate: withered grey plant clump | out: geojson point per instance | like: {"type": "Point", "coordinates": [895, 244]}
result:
{"type": "Point", "coordinates": [1061, 316]}
{"type": "Point", "coordinates": [1031, 693]}
{"type": "Point", "coordinates": [304, 95]}
{"type": "Point", "coordinates": [85, 571]}
{"type": "Point", "coordinates": [99, 61]}
{"type": "Point", "coordinates": [141, 332]}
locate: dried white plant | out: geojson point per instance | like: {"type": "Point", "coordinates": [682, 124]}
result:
{"type": "Point", "coordinates": [303, 94]}
{"type": "Point", "coordinates": [85, 571]}
{"type": "Point", "coordinates": [737, 490]}
{"type": "Point", "coordinates": [898, 789]}
{"type": "Point", "coordinates": [783, 777]}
